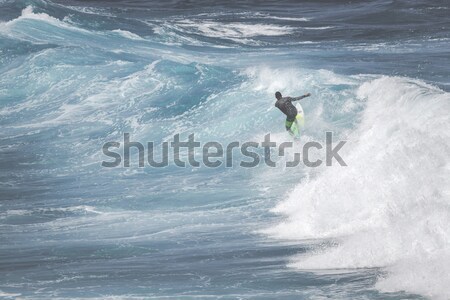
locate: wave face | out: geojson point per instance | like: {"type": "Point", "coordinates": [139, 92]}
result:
{"type": "Point", "coordinates": [390, 207]}
{"type": "Point", "coordinates": [75, 75]}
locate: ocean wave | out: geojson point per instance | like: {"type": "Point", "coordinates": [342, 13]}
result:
{"type": "Point", "coordinates": [318, 28]}
{"type": "Point", "coordinates": [28, 14]}
{"type": "Point", "coordinates": [239, 32]}
{"type": "Point", "coordinates": [393, 214]}
{"type": "Point", "coordinates": [72, 82]}
{"type": "Point", "coordinates": [234, 30]}
{"type": "Point", "coordinates": [127, 34]}
{"type": "Point", "coordinates": [254, 15]}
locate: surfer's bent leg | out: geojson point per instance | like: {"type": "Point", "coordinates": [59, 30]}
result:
{"type": "Point", "coordinates": [289, 122]}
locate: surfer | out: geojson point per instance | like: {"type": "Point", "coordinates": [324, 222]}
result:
{"type": "Point", "coordinates": [285, 105]}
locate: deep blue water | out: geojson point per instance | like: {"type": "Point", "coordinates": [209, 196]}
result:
{"type": "Point", "coordinates": [78, 74]}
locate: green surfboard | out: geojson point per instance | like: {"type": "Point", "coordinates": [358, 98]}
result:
{"type": "Point", "coordinates": [297, 126]}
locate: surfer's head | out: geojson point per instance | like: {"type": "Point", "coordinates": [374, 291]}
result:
{"type": "Point", "coordinates": [278, 95]}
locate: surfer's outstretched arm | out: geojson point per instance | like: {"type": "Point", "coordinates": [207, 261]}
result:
{"type": "Point", "coordinates": [301, 97]}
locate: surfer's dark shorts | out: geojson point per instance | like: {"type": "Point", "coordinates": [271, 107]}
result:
{"type": "Point", "coordinates": [290, 119]}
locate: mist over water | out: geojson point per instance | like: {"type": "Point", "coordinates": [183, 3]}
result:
{"type": "Point", "coordinates": [77, 74]}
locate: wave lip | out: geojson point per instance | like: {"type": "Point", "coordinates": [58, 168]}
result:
{"type": "Point", "coordinates": [27, 13]}
{"type": "Point", "coordinates": [390, 207]}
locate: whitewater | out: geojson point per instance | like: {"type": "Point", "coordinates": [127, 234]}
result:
{"type": "Point", "coordinates": [76, 74]}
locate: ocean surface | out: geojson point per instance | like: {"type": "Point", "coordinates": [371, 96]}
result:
{"type": "Point", "coordinates": [77, 74]}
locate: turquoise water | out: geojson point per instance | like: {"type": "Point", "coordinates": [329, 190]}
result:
{"type": "Point", "coordinates": [75, 75]}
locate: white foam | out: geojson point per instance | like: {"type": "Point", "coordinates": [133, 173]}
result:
{"type": "Point", "coordinates": [28, 14]}
{"type": "Point", "coordinates": [318, 28]}
{"type": "Point", "coordinates": [89, 10]}
{"type": "Point", "coordinates": [127, 34]}
{"type": "Point", "coordinates": [390, 206]}
{"type": "Point", "coordinates": [270, 80]}
{"type": "Point", "coordinates": [9, 295]}
{"type": "Point", "coordinates": [238, 32]}
{"type": "Point", "coordinates": [267, 16]}
{"type": "Point", "coordinates": [253, 15]}
{"type": "Point", "coordinates": [301, 19]}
